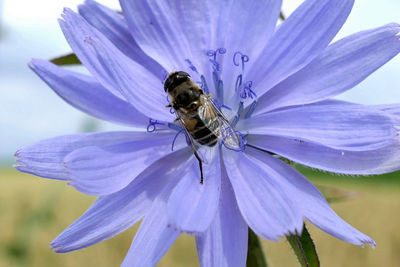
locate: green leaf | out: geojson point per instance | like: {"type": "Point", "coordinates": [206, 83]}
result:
{"type": "Point", "coordinates": [255, 255]}
{"type": "Point", "coordinates": [304, 248]}
{"type": "Point", "coordinates": [70, 59]}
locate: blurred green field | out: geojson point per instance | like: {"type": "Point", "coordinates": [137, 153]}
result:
{"type": "Point", "coordinates": [33, 211]}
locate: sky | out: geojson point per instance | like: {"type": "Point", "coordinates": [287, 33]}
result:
{"type": "Point", "coordinates": [30, 111]}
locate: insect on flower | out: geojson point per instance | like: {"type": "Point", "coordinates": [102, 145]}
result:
{"type": "Point", "coordinates": [203, 122]}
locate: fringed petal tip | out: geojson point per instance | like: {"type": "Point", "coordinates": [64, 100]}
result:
{"type": "Point", "coordinates": [369, 241]}
{"type": "Point", "coordinates": [361, 241]}
{"type": "Point", "coordinates": [57, 247]}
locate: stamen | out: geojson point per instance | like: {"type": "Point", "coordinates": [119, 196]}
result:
{"type": "Point", "coordinates": [176, 136]}
{"type": "Point", "coordinates": [191, 66]}
{"type": "Point", "coordinates": [238, 82]}
{"type": "Point", "coordinates": [247, 92]}
{"type": "Point", "coordinates": [220, 105]}
{"type": "Point", "coordinates": [251, 109]}
{"type": "Point", "coordinates": [212, 54]}
{"type": "Point", "coordinates": [204, 84]}
{"type": "Point", "coordinates": [219, 86]}
{"type": "Point", "coordinates": [238, 113]}
{"type": "Point", "coordinates": [244, 58]}
{"type": "Point", "coordinates": [173, 126]}
{"type": "Point", "coordinates": [152, 125]}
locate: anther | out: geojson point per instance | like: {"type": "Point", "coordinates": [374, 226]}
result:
{"type": "Point", "coordinates": [204, 85]}
{"type": "Point", "coordinates": [220, 105]}
{"type": "Point", "coordinates": [219, 86]}
{"type": "Point", "coordinates": [238, 113]}
{"type": "Point", "coordinates": [251, 109]}
{"type": "Point", "coordinates": [191, 66]}
{"type": "Point", "coordinates": [238, 82]}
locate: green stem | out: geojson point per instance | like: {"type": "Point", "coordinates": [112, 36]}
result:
{"type": "Point", "coordinates": [304, 248]}
{"type": "Point", "coordinates": [255, 255]}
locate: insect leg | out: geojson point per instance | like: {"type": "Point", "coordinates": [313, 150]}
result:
{"type": "Point", "coordinates": [200, 162]}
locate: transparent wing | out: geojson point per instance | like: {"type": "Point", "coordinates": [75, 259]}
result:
{"type": "Point", "coordinates": [216, 122]}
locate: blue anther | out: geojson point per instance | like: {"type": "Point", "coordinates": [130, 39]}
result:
{"type": "Point", "coordinates": [191, 66]}
{"type": "Point", "coordinates": [220, 105]}
{"type": "Point", "coordinates": [152, 125]}
{"type": "Point", "coordinates": [219, 86]}
{"type": "Point", "coordinates": [204, 84]}
{"type": "Point", "coordinates": [238, 113]}
{"type": "Point", "coordinates": [251, 109]}
{"type": "Point", "coordinates": [174, 126]}
{"type": "Point", "coordinates": [240, 108]}
{"type": "Point", "coordinates": [238, 82]}
{"type": "Point", "coordinates": [215, 65]}
{"type": "Point", "coordinates": [220, 90]}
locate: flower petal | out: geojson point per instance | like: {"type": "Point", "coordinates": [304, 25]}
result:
{"type": "Point", "coordinates": [192, 205]}
{"type": "Point", "coordinates": [157, 31]}
{"type": "Point", "coordinates": [340, 67]}
{"type": "Point", "coordinates": [298, 40]}
{"type": "Point", "coordinates": [154, 236]}
{"type": "Point", "coordinates": [115, 70]}
{"type": "Point", "coordinates": [244, 28]}
{"type": "Point", "coordinates": [246, 25]}
{"type": "Point", "coordinates": [102, 170]}
{"type": "Point", "coordinates": [45, 158]}
{"type": "Point", "coordinates": [263, 200]}
{"type": "Point", "coordinates": [225, 241]}
{"type": "Point", "coordinates": [348, 127]}
{"type": "Point", "coordinates": [87, 95]}
{"type": "Point", "coordinates": [382, 160]}
{"type": "Point", "coordinates": [113, 214]}
{"type": "Point", "coordinates": [393, 109]}
{"type": "Point", "coordinates": [114, 27]}
{"type": "Point", "coordinates": [309, 200]}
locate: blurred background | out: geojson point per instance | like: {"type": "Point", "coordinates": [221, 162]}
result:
{"type": "Point", "coordinates": [33, 211]}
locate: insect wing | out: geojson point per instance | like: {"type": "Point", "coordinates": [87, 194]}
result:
{"type": "Point", "coordinates": [219, 125]}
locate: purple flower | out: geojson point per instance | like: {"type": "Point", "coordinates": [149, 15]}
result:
{"type": "Point", "coordinates": [275, 83]}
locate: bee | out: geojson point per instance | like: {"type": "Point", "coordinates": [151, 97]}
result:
{"type": "Point", "coordinates": [196, 112]}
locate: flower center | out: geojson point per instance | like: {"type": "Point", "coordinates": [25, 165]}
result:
{"type": "Point", "coordinates": [243, 90]}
